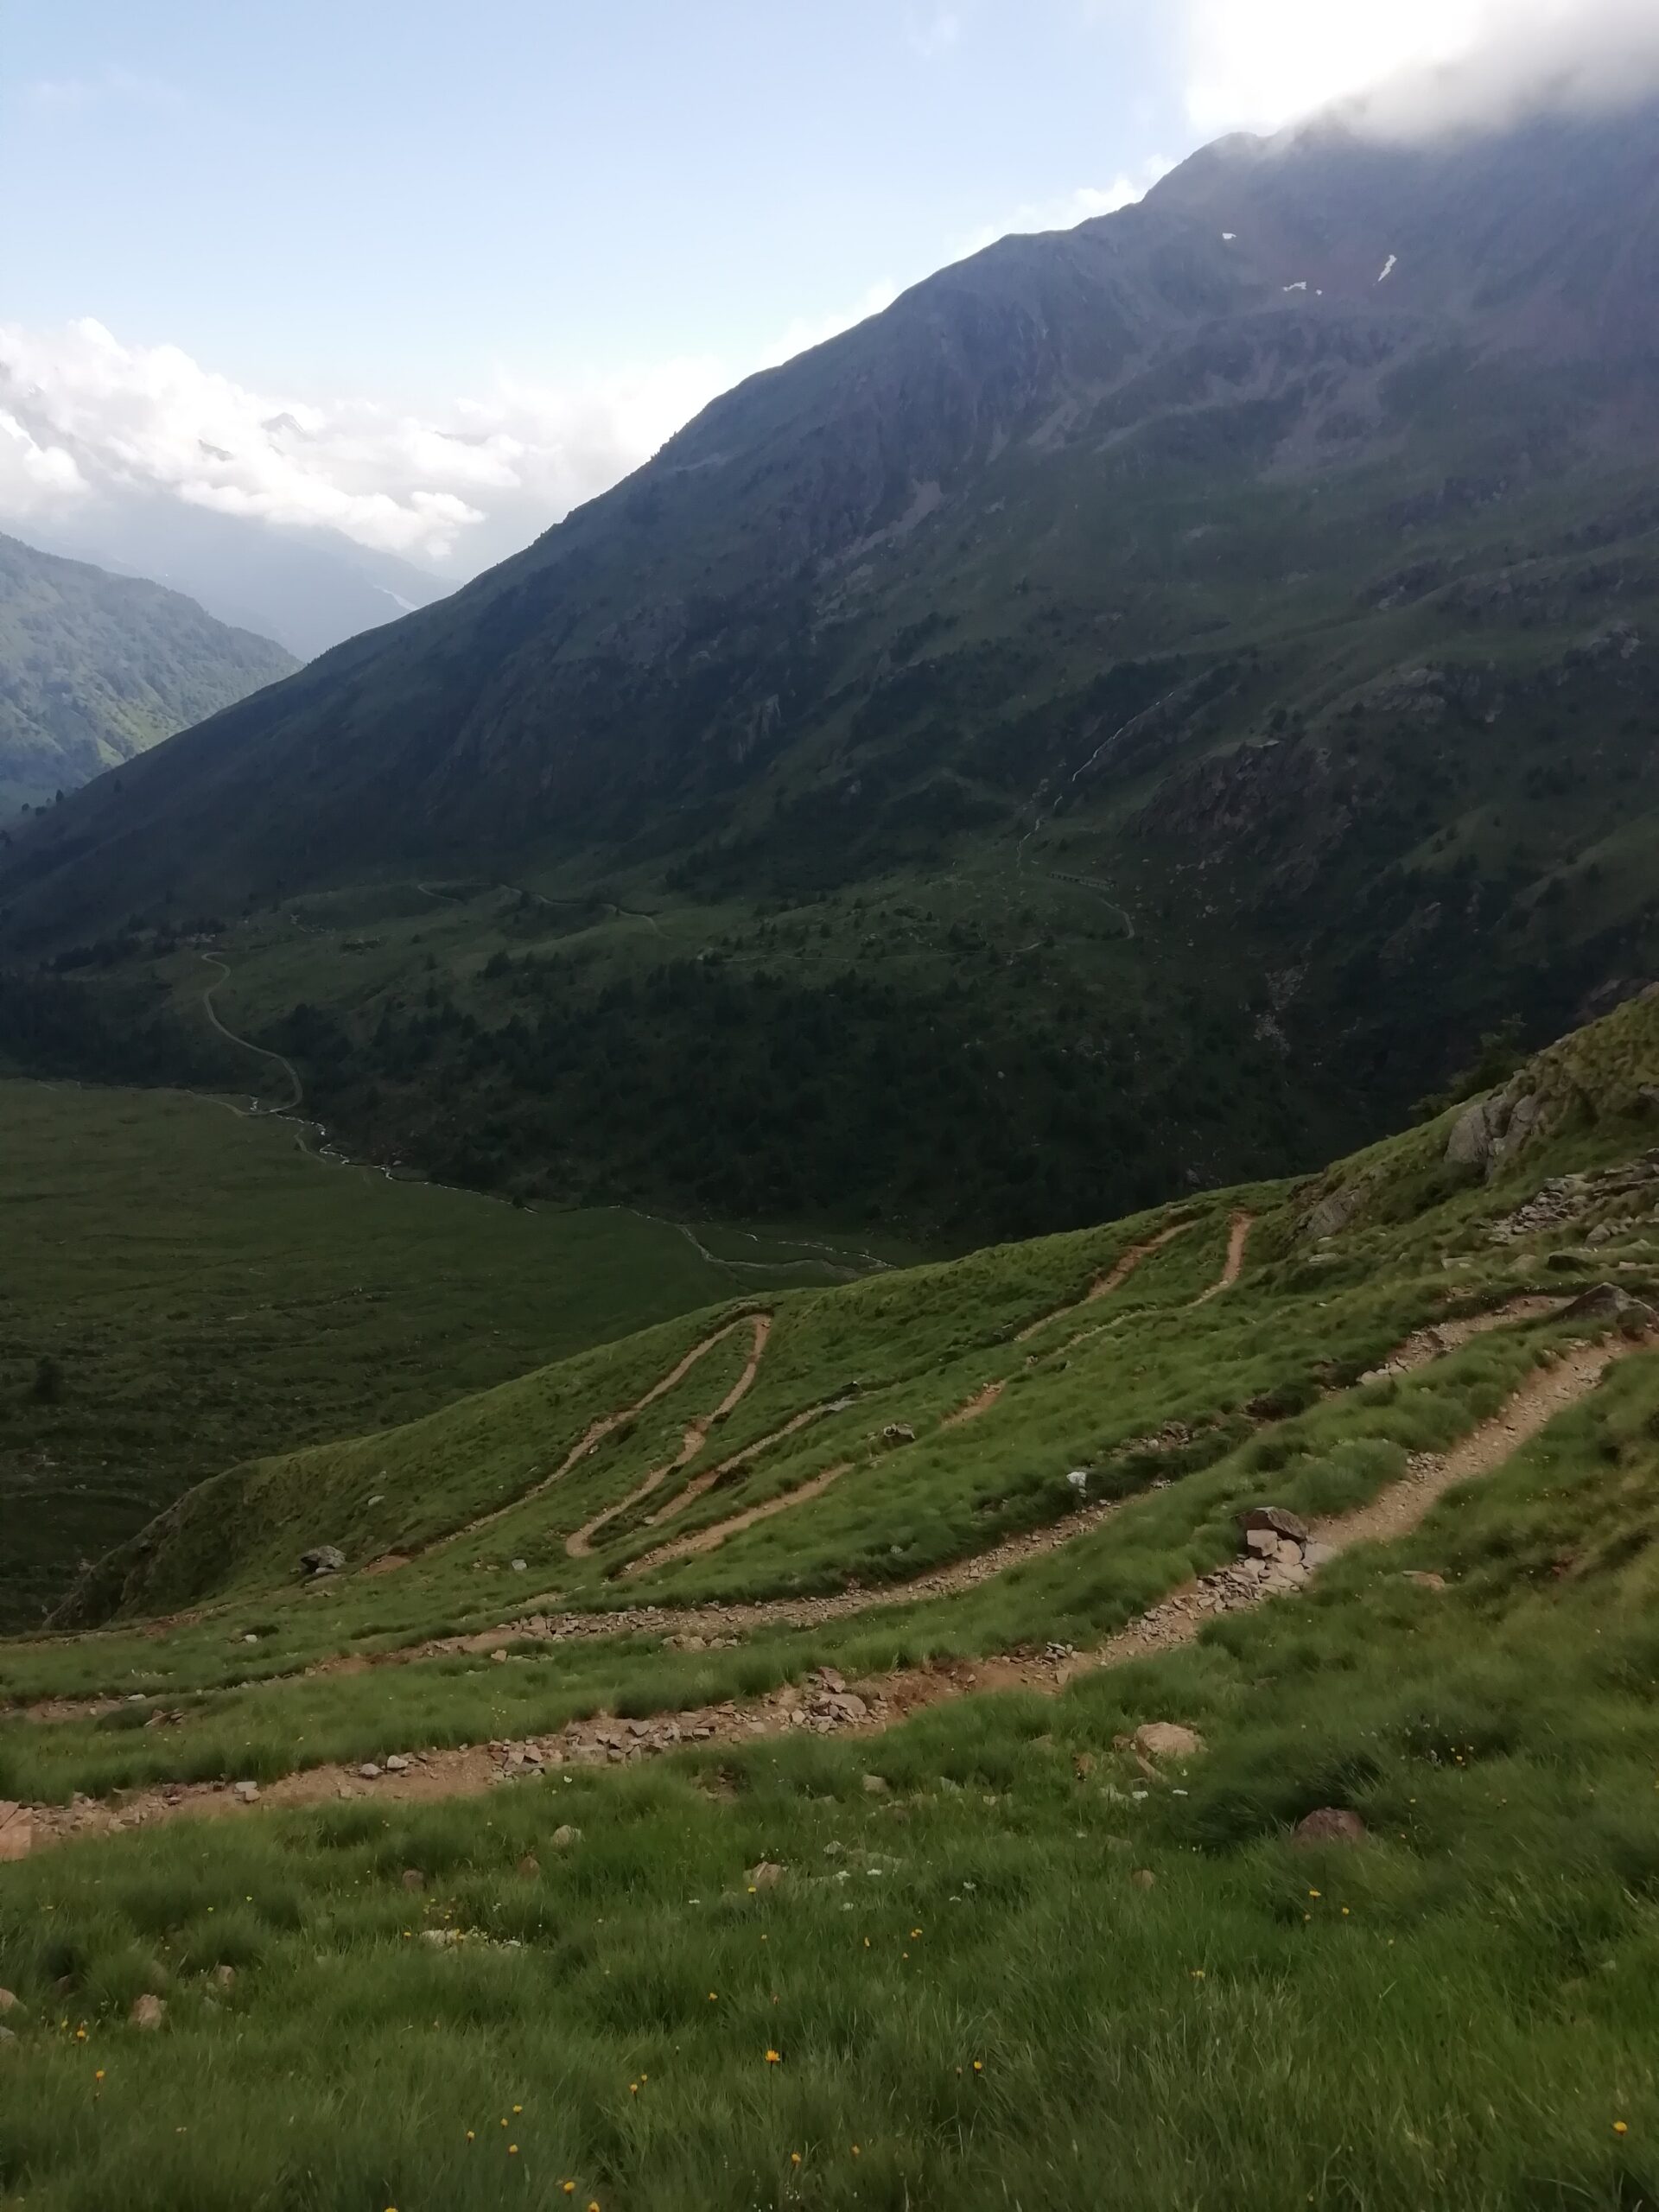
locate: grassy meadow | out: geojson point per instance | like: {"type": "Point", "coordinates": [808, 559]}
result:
{"type": "Point", "coordinates": [1024, 1973]}
{"type": "Point", "coordinates": [997, 1956]}
{"type": "Point", "coordinates": [247, 1294]}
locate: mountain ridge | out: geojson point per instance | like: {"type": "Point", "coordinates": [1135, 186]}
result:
{"type": "Point", "coordinates": [1185, 637]}
{"type": "Point", "coordinates": [95, 668]}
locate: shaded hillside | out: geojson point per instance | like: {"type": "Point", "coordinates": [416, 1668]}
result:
{"type": "Point", "coordinates": [1220, 635]}
{"type": "Point", "coordinates": [95, 669]}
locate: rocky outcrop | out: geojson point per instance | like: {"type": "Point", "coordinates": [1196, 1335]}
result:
{"type": "Point", "coordinates": [1492, 1129]}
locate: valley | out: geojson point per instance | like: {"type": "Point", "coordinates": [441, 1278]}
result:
{"type": "Point", "coordinates": [829, 1329]}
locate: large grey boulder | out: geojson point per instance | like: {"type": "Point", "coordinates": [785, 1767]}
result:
{"type": "Point", "coordinates": [1490, 1130]}
{"type": "Point", "coordinates": [323, 1559]}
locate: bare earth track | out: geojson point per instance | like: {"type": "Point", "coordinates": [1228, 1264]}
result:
{"type": "Point", "coordinates": [826, 1706]}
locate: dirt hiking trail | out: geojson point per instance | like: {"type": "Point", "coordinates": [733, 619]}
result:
{"type": "Point", "coordinates": [1114, 1279]}
{"type": "Point", "coordinates": [580, 1544]}
{"type": "Point", "coordinates": [825, 1705]}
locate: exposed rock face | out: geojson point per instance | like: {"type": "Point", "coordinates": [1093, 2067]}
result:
{"type": "Point", "coordinates": [1607, 1302]}
{"type": "Point", "coordinates": [322, 1559]}
{"type": "Point", "coordinates": [1490, 1130]}
{"type": "Point", "coordinates": [1333, 1212]}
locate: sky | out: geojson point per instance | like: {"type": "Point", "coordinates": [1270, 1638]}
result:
{"type": "Point", "coordinates": [428, 274]}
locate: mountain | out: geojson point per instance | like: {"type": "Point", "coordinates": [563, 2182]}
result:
{"type": "Point", "coordinates": [95, 669]}
{"type": "Point", "coordinates": [1112, 1704]}
{"type": "Point", "coordinates": [1140, 708]}
{"type": "Point", "coordinates": [307, 588]}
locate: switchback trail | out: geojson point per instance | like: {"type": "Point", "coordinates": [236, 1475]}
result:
{"type": "Point", "coordinates": [1115, 1277]}
{"type": "Point", "coordinates": [536, 1623]}
{"type": "Point", "coordinates": [1238, 1238]}
{"type": "Point", "coordinates": [297, 1089]}
{"type": "Point", "coordinates": [826, 1706]}
{"type": "Point", "coordinates": [580, 1545]}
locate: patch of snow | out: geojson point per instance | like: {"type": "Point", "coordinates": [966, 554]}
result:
{"type": "Point", "coordinates": [1389, 266]}
{"type": "Point", "coordinates": [1300, 286]}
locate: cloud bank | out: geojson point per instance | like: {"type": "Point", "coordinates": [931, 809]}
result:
{"type": "Point", "coordinates": [82, 414]}
{"type": "Point", "coordinates": [1415, 65]}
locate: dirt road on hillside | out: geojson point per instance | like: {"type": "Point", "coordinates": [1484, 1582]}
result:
{"type": "Point", "coordinates": [826, 1705]}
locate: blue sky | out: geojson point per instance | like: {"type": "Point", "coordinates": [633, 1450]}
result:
{"type": "Point", "coordinates": [427, 272]}
{"type": "Point", "coordinates": [401, 196]}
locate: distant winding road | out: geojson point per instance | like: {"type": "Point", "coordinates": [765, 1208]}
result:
{"type": "Point", "coordinates": [296, 1089]}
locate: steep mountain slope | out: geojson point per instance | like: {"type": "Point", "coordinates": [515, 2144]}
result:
{"type": "Point", "coordinates": [94, 669]}
{"type": "Point", "coordinates": [942, 1407]}
{"type": "Point", "coordinates": [1241, 1618]}
{"type": "Point", "coordinates": [1217, 641]}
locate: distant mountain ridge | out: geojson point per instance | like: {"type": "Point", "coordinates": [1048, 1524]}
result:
{"type": "Point", "coordinates": [95, 669]}
{"type": "Point", "coordinates": [307, 588]}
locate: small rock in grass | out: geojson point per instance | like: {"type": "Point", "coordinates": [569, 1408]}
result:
{"type": "Point", "coordinates": [147, 2011]}
{"type": "Point", "coordinates": [1273, 1518]}
{"type": "Point", "coordinates": [530, 1866]}
{"type": "Point", "coordinates": [1166, 1739]}
{"type": "Point", "coordinates": [1424, 1579]}
{"type": "Point", "coordinates": [225, 1976]}
{"type": "Point", "coordinates": [500, 1658]}
{"type": "Point", "coordinates": [369, 1771]}
{"type": "Point", "coordinates": [1144, 1878]}
{"type": "Point", "coordinates": [413, 1879]}
{"type": "Point", "coordinates": [397, 1763]}
{"type": "Point", "coordinates": [1329, 1824]}
{"type": "Point", "coordinates": [876, 1785]}
{"type": "Point", "coordinates": [9, 2000]}
{"type": "Point", "coordinates": [247, 1792]}
{"type": "Point", "coordinates": [7, 2038]}
{"type": "Point", "coordinates": [324, 1559]}
{"type": "Point", "coordinates": [519, 1566]}
{"type": "Point", "coordinates": [565, 1836]}
{"type": "Point", "coordinates": [440, 1939]}
{"type": "Point", "coordinates": [765, 1876]}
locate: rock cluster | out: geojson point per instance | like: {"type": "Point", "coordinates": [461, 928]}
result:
{"type": "Point", "coordinates": [1279, 1556]}
{"type": "Point", "coordinates": [824, 1705]}
{"type": "Point", "coordinates": [1565, 1199]}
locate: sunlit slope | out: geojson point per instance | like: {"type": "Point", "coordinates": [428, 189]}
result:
{"type": "Point", "coordinates": [782, 1448]}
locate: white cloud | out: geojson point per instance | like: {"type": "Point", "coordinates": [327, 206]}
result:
{"type": "Point", "coordinates": [1420, 64]}
{"type": "Point", "coordinates": [63, 95]}
{"type": "Point", "coordinates": [80, 411]}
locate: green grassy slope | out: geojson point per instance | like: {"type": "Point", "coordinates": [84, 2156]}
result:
{"type": "Point", "coordinates": [95, 669]}
{"type": "Point", "coordinates": [205, 1287]}
{"type": "Point", "coordinates": [1002, 1954]}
